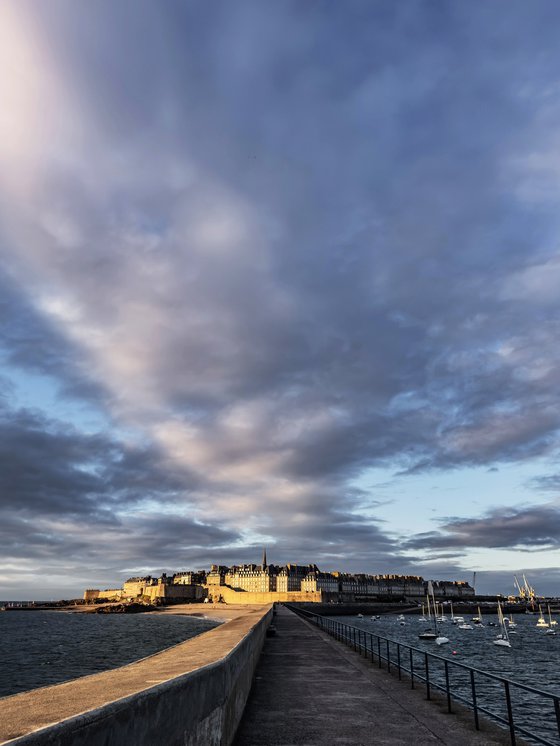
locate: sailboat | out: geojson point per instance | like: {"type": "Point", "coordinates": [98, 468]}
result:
{"type": "Point", "coordinates": [455, 619]}
{"type": "Point", "coordinates": [541, 622]}
{"type": "Point", "coordinates": [511, 623]}
{"type": "Point", "coordinates": [429, 634]}
{"type": "Point", "coordinates": [439, 614]}
{"type": "Point", "coordinates": [503, 638]}
{"type": "Point", "coordinates": [551, 622]}
{"type": "Point", "coordinates": [478, 619]}
{"type": "Point", "coordinates": [423, 617]}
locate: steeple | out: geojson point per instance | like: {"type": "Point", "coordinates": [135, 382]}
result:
{"type": "Point", "coordinates": [264, 559]}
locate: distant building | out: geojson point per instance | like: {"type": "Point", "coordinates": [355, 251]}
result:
{"type": "Point", "coordinates": [253, 578]}
{"type": "Point", "coordinates": [319, 581]}
{"type": "Point", "coordinates": [291, 576]}
{"type": "Point", "coordinates": [188, 577]}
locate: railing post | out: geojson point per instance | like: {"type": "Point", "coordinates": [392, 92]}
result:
{"type": "Point", "coordinates": [399, 659]}
{"type": "Point", "coordinates": [371, 645]}
{"type": "Point", "coordinates": [388, 658]}
{"type": "Point", "coordinates": [447, 687]}
{"type": "Point", "coordinates": [411, 670]}
{"type": "Point", "coordinates": [557, 711]}
{"type": "Point", "coordinates": [427, 676]}
{"type": "Point", "coordinates": [354, 635]}
{"type": "Point", "coordinates": [510, 713]}
{"type": "Point", "coordinates": [379, 650]}
{"type": "Point", "coordinates": [475, 708]}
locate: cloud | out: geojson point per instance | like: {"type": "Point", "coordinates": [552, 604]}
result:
{"type": "Point", "coordinates": [528, 528]}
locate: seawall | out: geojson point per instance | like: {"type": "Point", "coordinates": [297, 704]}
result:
{"type": "Point", "coordinates": [192, 694]}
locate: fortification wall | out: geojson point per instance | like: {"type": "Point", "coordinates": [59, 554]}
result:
{"type": "Point", "coordinates": [231, 596]}
{"type": "Point", "coordinates": [111, 593]}
{"type": "Point", "coordinates": [188, 592]}
{"type": "Point", "coordinates": [201, 690]}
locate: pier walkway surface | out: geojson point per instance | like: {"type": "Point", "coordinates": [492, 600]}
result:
{"type": "Point", "coordinates": [310, 690]}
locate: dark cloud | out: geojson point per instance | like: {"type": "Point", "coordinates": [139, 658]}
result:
{"type": "Point", "coordinates": [528, 528]}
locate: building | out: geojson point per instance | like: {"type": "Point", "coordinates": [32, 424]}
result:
{"type": "Point", "coordinates": [188, 577]}
{"type": "Point", "coordinates": [253, 578]}
{"type": "Point", "coordinates": [319, 581]}
{"type": "Point", "coordinates": [291, 576]}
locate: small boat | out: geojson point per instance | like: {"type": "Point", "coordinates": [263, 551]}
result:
{"type": "Point", "coordinates": [360, 616]}
{"type": "Point", "coordinates": [478, 619]}
{"type": "Point", "coordinates": [375, 617]}
{"type": "Point", "coordinates": [465, 625]}
{"type": "Point", "coordinates": [541, 621]}
{"type": "Point", "coordinates": [432, 634]}
{"type": "Point", "coordinates": [456, 619]}
{"type": "Point", "coordinates": [550, 632]}
{"type": "Point", "coordinates": [502, 640]}
{"type": "Point", "coordinates": [423, 617]}
{"type": "Point", "coordinates": [510, 623]}
{"type": "Point", "coordinates": [552, 622]}
{"type": "Point", "coordinates": [428, 634]}
{"type": "Point", "coordinates": [401, 617]}
{"type": "Point", "coordinates": [440, 616]}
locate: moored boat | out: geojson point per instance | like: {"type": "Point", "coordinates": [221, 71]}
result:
{"type": "Point", "coordinates": [502, 640]}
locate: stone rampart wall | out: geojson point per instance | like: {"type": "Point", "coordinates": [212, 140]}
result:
{"type": "Point", "coordinates": [231, 596]}
{"type": "Point", "coordinates": [180, 590]}
{"type": "Point", "coordinates": [109, 594]}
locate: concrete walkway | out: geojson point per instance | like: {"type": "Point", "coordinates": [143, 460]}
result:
{"type": "Point", "coordinates": [310, 690]}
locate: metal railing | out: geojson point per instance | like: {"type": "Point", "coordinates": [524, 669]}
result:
{"type": "Point", "coordinates": [465, 684]}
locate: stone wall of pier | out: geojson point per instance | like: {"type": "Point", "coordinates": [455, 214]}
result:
{"type": "Point", "coordinates": [190, 695]}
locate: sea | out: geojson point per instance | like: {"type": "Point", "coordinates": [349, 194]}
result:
{"type": "Point", "coordinates": [38, 648]}
{"type": "Point", "coordinates": [533, 659]}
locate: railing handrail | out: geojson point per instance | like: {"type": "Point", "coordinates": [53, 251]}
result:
{"type": "Point", "coordinates": [503, 680]}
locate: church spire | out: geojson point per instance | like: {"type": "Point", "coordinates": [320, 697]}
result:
{"type": "Point", "coordinates": [264, 559]}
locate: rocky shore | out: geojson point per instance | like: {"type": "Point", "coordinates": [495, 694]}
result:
{"type": "Point", "coordinates": [128, 608]}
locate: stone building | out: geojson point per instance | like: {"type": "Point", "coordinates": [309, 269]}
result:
{"type": "Point", "coordinates": [290, 577]}
{"type": "Point", "coordinates": [217, 575]}
{"type": "Point", "coordinates": [188, 577]}
{"type": "Point", "coordinates": [319, 581]}
{"type": "Point", "coordinates": [254, 578]}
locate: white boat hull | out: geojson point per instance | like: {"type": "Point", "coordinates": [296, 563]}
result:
{"type": "Point", "coordinates": [503, 643]}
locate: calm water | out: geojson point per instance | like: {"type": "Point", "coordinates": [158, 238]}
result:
{"type": "Point", "coordinates": [533, 659]}
{"type": "Point", "coordinates": [38, 648]}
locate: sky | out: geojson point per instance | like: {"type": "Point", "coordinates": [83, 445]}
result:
{"type": "Point", "coordinates": [280, 274]}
